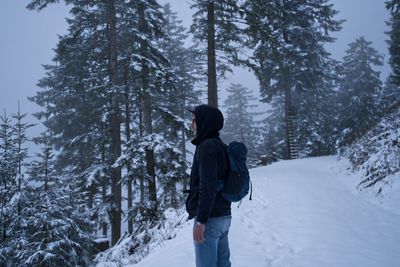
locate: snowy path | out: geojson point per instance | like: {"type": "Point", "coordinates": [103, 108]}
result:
{"type": "Point", "coordinates": [300, 215]}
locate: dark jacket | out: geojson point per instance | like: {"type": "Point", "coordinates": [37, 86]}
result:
{"type": "Point", "coordinates": [210, 163]}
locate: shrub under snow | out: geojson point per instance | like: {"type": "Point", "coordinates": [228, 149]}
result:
{"type": "Point", "coordinates": [132, 249]}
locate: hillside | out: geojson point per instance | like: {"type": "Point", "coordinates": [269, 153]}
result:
{"type": "Point", "coordinates": [373, 161]}
{"type": "Point", "coordinates": [300, 215]}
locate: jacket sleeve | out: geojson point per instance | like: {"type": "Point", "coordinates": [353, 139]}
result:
{"type": "Point", "coordinates": [208, 172]}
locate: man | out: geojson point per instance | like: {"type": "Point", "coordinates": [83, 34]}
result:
{"type": "Point", "coordinates": [212, 213]}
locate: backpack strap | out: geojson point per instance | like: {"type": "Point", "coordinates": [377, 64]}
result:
{"type": "Point", "coordinates": [222, 143]}
{"type": "Point", "coordinates": [251, 190]}
{"type": "Point", "coordinates": [222, 179]}
{"type": "Point", "coordinates": [225, 147]}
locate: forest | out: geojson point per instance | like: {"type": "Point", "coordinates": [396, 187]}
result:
{"type": "Point", "coordinates": [113, 157]}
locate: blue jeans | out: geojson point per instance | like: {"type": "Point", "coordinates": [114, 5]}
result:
{"type": "Point", "coordinates": [214, 251]}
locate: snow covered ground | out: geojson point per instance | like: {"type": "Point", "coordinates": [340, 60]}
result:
{"type": "Point", "coordinates": [300, 215]}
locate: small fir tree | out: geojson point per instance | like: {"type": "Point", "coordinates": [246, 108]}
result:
{"type": "Point", "coordinates": [8, 174]}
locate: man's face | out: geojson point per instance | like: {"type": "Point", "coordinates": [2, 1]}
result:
{"type": "Point", "coordinates": [193, 126]}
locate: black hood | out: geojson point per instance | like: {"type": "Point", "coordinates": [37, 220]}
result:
{"type": "Point", "coordinates": [209, 120]}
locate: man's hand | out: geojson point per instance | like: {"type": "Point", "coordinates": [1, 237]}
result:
{"type": "Point", "coordinates": [198, 232]}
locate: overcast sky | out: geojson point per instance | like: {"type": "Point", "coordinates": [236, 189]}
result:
{"type": "Point", "coordinates": [28, 39]}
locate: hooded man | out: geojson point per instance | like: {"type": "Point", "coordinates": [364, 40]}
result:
{"type": "Point", "coordinates": [212, 213]}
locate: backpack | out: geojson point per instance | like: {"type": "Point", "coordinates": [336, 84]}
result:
{"type": "Point", "coordinates": [237, 185]}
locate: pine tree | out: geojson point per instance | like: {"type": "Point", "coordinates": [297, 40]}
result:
{"type": "Point", "coordinates": [317, 116]}
{"type": "Point", "coordinates": [359, 89]}
{"type": "Point", "coordinates": [13, 194]}
{"type": "Point", "coordinates": [42, 168]}
{"type": "Point", "coordinates": [215, 23]}
{"type": "Point", "coordinates": [152, 74]}
{"type": "Point", "coordinates": [389, 95]}
{"type": "Point", "coordinates": [78, 98]}
{"type": "Point", "coordinates": [8, 174]}
{"type": "Point", "coordinates": [21, 139]}
{"type": "Point", "coordinates": [316, 120]}
{"type": "Point", "coordinates": [144, 71]}
{"type": "Point", "coordinates": [391, 91]}
{"type": "Point", "coordinates": [52, 231]}
{"type": "Point", "coordinates": [288, 40]}
{"type": "Point", "coordinates": [114, 83]}
{"type": "Point", "coordinates": [81, 99]}
{"type": "Point", "coordinates": [240, 122]}
{"type": "Point", "coordinates": [179, 93]}
{"type": "Point", "coordinates": [394, 39]}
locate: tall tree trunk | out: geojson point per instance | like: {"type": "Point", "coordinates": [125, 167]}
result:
{"type": "Point", "coordinates": [141, 134]}
{"type": "Point", "coordinates": [19, 158]}
{"type": "Point", "coordinates": [91, 193]}
{"type": "Point", "coordinates": [241, 108]}
{"type": "Point", "coordinates": [287, 106]}
{"type": "Point", "coordinates": [19, 151]}
{"type": "Point", "coordinates": [116, 124]}
{"type": "Point", "coordinates": [183, 136]}
{"type": "Point", "coordinates": [150, 156]}
{"type": "Point", "coordinates": [103, 186]}
{"type": "Point", "coordinates": [128, 139]}
{"type": "Point", "coordinates": [46, 167]}
{"type": "Point", "coordinates": [183, 148]}
{"type": "Point", "coordinates": [147, 118]}
{"type": "Point", "coordinates": [4, 216]}
{"type": "Point", "coordinates": [116, 177]}
{"type": "Point", "coordinates": [291, 147]}
{"type": "Point", "coordinates": [211, 61]}
{"type": "Point", "coordinates": [104, 197]}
